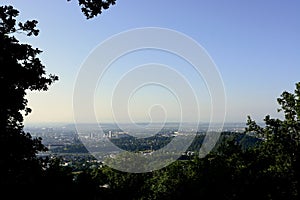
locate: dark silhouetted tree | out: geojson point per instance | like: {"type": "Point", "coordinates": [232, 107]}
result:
{"type": "Point", "coordinates": [92, 8]}
{"type": "Point", "coordinates": [276, 168]}
{"type": "Point", "coordinates": [20, 70]}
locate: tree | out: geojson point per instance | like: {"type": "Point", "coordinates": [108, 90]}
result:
{"type": "Point", "coordinates": [21, 70]}
{"type": "Point", "coordinates": [278, 160]}
{"type": "Point", "coordinates": [91, 8]}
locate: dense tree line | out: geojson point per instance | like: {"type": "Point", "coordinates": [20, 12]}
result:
{"type": "Point", "coordinates": [153, 143]}
{"type": "Point", "coordinates": [263, 170]}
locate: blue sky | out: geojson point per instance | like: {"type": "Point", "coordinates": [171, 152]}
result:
{"type": "Point", "coordinates": [255, 45]}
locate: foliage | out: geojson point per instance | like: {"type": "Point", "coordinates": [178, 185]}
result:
{"type": "Point", "coordinates": [141, 144]}
{"type": "Point", "coordinates": [74, 148]}
{"type": "Point", "coordinates": [92, 8]}
{"type": "Point", "coordinates": [266, 166]}
{"type": "Point", "coordinates": [20, 70]}
{"type": "Point", "coordinates": [279, 155]}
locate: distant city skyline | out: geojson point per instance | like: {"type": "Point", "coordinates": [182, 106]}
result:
{"type": "Point", "coordinates": [254, 44]}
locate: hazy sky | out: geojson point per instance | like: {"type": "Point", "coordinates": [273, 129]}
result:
{"type": "Point", "coordinates": [255, 45]}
